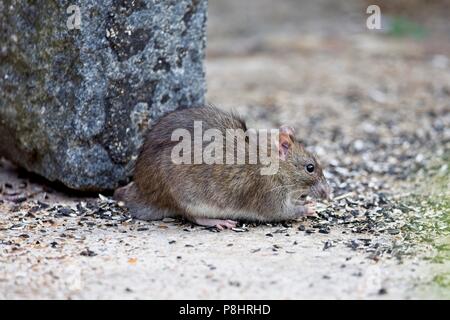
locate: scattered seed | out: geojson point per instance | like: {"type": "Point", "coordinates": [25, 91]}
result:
{"type": "Point", "coordinates": [328, 244]}
{"type": "Point", "coordinates": [88, 253]}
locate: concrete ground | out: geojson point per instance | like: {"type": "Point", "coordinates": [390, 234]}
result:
{"type": "Point", "coordinates": [374, 107]}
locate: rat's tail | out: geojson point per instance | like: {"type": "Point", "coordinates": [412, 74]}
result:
{"type": "Point", "coordinates": [125, 193]}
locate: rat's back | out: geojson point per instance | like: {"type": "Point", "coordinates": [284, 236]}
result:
{"type": "Point", "coordinates": [158, 180]}
{"type": "Point", "coordinates": [158, 142]}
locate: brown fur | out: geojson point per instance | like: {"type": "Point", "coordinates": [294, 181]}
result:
{"type": "Point", "coordinates": [162, 188]}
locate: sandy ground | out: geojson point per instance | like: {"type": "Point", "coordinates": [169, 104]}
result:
{"type": "Point", "coordinates": [167, 262]}
{"type": "Point", "coordinates": [337, 84]}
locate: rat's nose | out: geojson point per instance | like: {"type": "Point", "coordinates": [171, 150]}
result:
{"type": "Point", "coordinates": [322, 190]}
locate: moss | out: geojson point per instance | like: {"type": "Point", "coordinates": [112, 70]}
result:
{"type": "Point", "coordinates": [432, 218]}
{"type": "Point", "coordinates": [50, 61]}
{"type": "Point", "coordinates": [442, 280]}
{"type": "Point", "coordinates": [404, 27]}
{"type": "Point", "coordinates": [430, 223]}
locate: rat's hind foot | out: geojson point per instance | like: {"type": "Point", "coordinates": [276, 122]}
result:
{"type": "Point", "coordinates": [219, 224]}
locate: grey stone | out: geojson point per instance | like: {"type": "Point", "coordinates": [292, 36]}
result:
{"type": "Point", "coordinates": [74, 103]}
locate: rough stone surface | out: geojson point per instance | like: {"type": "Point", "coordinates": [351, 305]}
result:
{"type": "Point", "coordinates": [75, 103]}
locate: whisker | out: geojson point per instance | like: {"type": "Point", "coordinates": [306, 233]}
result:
{"type": "Point", "coordinates": [286, 185]}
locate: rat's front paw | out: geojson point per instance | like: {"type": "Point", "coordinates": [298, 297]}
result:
{"type": "Point", "coordinates": [306, 210]}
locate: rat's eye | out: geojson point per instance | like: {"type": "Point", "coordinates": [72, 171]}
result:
{"type": "Point", "coordinates": [310, 168]}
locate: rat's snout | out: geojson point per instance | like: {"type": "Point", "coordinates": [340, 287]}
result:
{"type": "Point", "coordinates": [321, 190]}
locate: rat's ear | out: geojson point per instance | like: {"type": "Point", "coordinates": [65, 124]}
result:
{"type": "Point", "coordinates": [288, 130]}
{"type": "Point", "coordinates": [284, 144]}
{"type": "Point", "coordinates": [285, 129]}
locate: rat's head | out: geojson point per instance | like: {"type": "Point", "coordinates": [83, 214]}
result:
{"type": "Point", "coordinates": [300, 170]}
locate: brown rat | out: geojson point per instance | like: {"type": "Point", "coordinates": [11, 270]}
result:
{"type": "Point", "coordinates": [218, 194]}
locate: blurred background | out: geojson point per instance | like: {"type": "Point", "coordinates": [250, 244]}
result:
{"type": "Point", "coordinates": [307, 40]}
{"type": "Point", "coordinates": [316, 65]}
